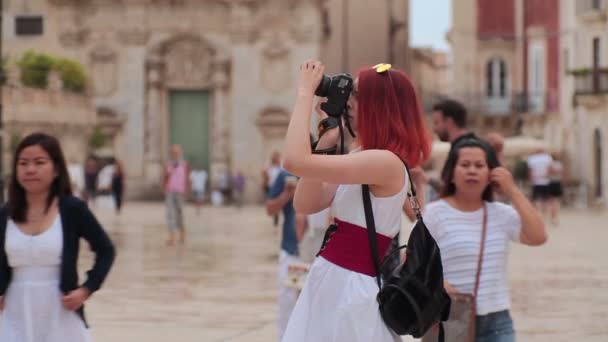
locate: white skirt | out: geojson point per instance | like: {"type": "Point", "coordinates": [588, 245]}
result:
{"type": "Point", "coordinates": [33, 312]}
{"type": "Point", "coordinates": [337, 305]}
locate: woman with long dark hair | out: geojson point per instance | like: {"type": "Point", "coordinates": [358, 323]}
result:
{"type": "Point", "coordinates": [338, 302]}
{"type": "Point", "coordinates": [40, 230]}
{"type": "Point", "coordinates": [467, 218]}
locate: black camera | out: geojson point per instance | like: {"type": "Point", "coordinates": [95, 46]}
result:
{"type": "Point", "coordinates": [336, 89]}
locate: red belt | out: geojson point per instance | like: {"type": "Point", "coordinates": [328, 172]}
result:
{"type": "Point", "coordinates": [348, 247]}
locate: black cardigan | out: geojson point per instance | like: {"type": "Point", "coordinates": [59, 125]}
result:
{"type": "Point", "coordinates": [78, 222]}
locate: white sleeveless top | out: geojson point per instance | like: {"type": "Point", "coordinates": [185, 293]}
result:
{"type": "Point", "coordinates": [42, 250]}
{"type": "Point", "coordinates": [337, 304]}
{"type": "Point", "coordinates": [33, 309]}
{"type": "Point", "coordinates": [348, 206]}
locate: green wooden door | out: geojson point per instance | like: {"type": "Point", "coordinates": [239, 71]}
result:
{"type": "Point", "coordinates": [189, 125]}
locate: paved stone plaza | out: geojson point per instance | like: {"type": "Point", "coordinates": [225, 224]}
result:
{"type": "Point", "coordinates": [221, 286]}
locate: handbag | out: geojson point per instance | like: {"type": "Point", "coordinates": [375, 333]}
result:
{"type": "Point", "coordinates": [460, 327]}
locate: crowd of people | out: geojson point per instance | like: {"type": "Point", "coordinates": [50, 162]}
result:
{"type": "Point", "coordinates": [475, 193]}
{"type": "Point", "coordinates": [101, 180]}
{"type": "Point", "coordinates": [476, 211]}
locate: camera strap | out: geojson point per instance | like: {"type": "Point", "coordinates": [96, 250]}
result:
{"type": "Point", "coordinates": [348, 125]}
{"type": "Point", "coordinates": [330, 123]}
{"type": "Point", "coordinates": [331, 150]}
{"type": "Point", "coordinates": [324, 126]}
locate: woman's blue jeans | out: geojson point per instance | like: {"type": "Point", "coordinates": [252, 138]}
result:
{"type": "Point", "coordinates": [495, 327]}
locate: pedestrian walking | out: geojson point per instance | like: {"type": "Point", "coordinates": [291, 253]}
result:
{"type": "Point", "coordinates": [280, 199]}
{"type": "Point", "coordinates": [198, 179]}
{"type": "Point", "coordinates": [176, 186]}
{"type": "Point", "coordinates": [118, 185]}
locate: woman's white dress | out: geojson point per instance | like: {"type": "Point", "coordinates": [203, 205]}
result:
{"type": "Point", "coordinates": [338, 305]}
{"type": "Point", "coordinates": [33, 311]}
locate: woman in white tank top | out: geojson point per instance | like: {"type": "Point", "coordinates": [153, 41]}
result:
{"type": "Point", "coordinates": [41, 297]}
{"type": "Point", "coordinates": [338, 302]}
{"type": "Point", "coordinates": [470, 177]}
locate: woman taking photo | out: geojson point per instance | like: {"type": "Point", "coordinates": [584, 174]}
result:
{"type": "Point", "coordinates": [457, 221]}
{"type": "Point", "coordinates": [338, 302]}
{"type": "Point", "coordinates": [40, 231]}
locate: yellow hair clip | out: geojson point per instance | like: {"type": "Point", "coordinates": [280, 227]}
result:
{"type": "Point", "coordinates": [382, 67]}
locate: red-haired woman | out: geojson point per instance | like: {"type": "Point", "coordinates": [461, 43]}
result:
{"type": "Point", "coordinates": [338, 302]}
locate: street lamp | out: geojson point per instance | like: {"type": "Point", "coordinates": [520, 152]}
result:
{"type": "Point", "coordinates": [345, 36]}
{"type": "Point", "coordinates": [1, 104]}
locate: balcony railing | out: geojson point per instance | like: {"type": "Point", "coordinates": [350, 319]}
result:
{"type": "Point", "coordinates": [590, 7]}
{"type": "Point", "coordinates": [42, 106]}
{"type": "Point", "coordinates": [517, 102]}
{"type": "Point", "coordinates": [591, 81]}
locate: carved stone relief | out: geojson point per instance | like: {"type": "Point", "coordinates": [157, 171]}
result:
{"type": "Point", "coordinates": [74, 23]}
{"type": "Point", "coordinates": [188, 62]}
{"type": "Point", "coordinates": [104, 70]}
{"type": "Point", "coordinates": [273, 22]}
{"type": "Point", "coordinates": [74, 37]}
{"type": "Point", "coordinates": [242, 18]}
{"type": "Point", "coordinates": [132, 36]}
{"type": "Point", "coordinates": [273, 123]}
{"type": "Point", "coordinates": [307, 24]}
{"type": "Point", "coordinates": [276, 67]}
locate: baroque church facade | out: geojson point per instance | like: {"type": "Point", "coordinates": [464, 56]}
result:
{"type": "Point", "coordinates": [215, 76]}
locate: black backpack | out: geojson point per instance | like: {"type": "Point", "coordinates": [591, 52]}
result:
{"type": "Point", "coordinates": [412, 297]}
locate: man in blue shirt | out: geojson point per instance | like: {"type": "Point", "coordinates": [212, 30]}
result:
{"type": "Point", "coordinates": [280, 197]}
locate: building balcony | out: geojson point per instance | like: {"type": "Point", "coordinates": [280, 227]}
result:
{"type": "Point", "coordinates": [42, 107]}
{"type": "Point", "coordinates": [592, 10]}
{"type": "Point", "coordinates": [68, 116]}
{"type": "Point", "coordinates": [510, 103]}
{"type": "Point", "coordinates": [505, 114]}
{"type": "Point", "coordinates": [591, 89]}
{"type": "Point", "coordinates": [590, 81]}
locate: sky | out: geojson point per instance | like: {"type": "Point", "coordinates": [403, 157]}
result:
{"type": "Point", "coordinates": [430, 20]}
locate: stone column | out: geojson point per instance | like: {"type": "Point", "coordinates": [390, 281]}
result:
{"type": "Point", "coordinates": [154, 122]}
{"type": "Point", "coordinates": [220, 122]}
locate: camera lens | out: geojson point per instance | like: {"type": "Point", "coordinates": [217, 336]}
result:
{"type": "Point", "coordinates": [323, 87]}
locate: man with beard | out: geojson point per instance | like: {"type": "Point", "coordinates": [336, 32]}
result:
{"type": "Point", "coordinates": [450, 125]}
{"type": "Point", "coordinates": [450, 122]}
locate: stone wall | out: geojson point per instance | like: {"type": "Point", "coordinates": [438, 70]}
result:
{"type": "Point", "coordinates": [70, 117]}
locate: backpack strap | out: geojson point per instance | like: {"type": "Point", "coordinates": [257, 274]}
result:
{"type": "Point", "coordinates": [411, 194]}
{"type": "Point", "coordinates": [371, 230]}
{"type": "Point", "coordinates": [371, 224]}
